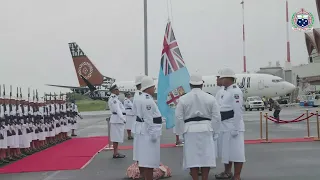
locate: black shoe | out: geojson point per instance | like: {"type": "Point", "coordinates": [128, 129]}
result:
{"type": "Point", "coordinates": [119, 156]}
{"type": "Point", "coordinates": [130, 138]}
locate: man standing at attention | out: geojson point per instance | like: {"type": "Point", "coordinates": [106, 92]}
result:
{"type": "Point", "coordinates": [149, 140]}
{"type": "Point", "coordinates": [198, 120]}
{"type": "Point", "coordinates": [219, 97]}
{"type": "Point", "coordinates": [117, 120]}
{"type": "Point", "coordinates": [137, 123]}
{"type": "Point", "coordinates": [129, 114]}
{"type": "Point", "coordinates": [232, 127]}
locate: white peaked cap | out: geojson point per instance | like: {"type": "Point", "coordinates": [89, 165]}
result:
{"type": "Point", "coordinates": [196, 79]}
{"type": "Point", "coordinates": [227, 72]}
{"type": "Point", "coordinates": [146, 82]}
{"type": "Point", "coordinates": [113, 86]}
{"type": "Point", "coordinates": [138, 79]}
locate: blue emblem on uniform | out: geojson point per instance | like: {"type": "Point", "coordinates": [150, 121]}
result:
{"type": "Point", "coordinates": [302, 20]}
{"type": "Point", "coordinates": [148, 107]}
{"type": "Point", "coordinates": [115, 102]}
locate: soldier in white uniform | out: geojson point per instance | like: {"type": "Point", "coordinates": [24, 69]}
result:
{"type": "Point", "coordinates": [198, 120]}
{"type": "Point", "coordinates": [137, 124]}
{"type": "Point", "coordinates": [232, 127]}
{"type": "Point", "coordinates": [149, 140]}
{"type": "Point", "coordinates": [219, 97]}
{"type": "Point", "coordinates": [117, 120]}
{"type": "Point", "coordinates": [3, 134]}
{"type": "Point", "coordinates": [130, 117]}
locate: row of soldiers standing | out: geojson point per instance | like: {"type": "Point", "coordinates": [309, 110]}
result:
{"type": "Point", "coordinates": [31, 125]}
{"type": "Point", "coordinates": [211, 126]}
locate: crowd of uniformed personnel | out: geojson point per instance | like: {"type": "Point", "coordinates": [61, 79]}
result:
{"type": "Point", "coordinates": [29, 125]}
{"type": "Point", "coordinates": [212, 127]}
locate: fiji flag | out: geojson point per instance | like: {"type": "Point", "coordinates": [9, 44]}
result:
{"type": "Point", "coordinates": [173, 80]}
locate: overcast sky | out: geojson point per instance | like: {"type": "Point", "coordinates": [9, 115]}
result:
{"type": "Point", "coordinates": [34, 37]}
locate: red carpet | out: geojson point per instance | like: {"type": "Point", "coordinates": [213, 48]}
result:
{"type": "Point", "coordinates": [70, 155]}
{"type": "Point", "coordinates": [258, 141]}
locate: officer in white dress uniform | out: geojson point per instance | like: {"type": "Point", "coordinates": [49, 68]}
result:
{"type": "Point", "coordinates": [130, 117]}
{"type": "Point", "coordinates": [117, 120]}
{"type": "Point", "coordinates": [198, 120]}
{"type": "Point", "coordinates": [219, 97]}
{"type": "Point", "coordinates": [149, 140]}
{"type": "Point", "coordinates": [232, 126]}
{"type": "Point", "coordinates": [136, 125]}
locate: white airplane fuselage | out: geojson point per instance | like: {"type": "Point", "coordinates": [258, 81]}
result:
{"type": "Point", "coordinates": [250, 84]}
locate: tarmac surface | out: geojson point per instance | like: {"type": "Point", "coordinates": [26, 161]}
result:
{"type": "Point", "coordinates": [274, 161]}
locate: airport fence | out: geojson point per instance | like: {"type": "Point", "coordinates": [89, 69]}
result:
{"type": "Point", "coordinates": [264, 120]}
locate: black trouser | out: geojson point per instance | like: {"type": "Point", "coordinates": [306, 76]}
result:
{"type": "Point", "coordinates": [276, 114]}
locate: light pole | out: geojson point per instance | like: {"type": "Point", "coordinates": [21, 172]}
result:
{"type": "Point", "coordinates": [145, 7]}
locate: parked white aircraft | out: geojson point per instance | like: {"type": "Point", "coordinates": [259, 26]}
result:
{"type": "Point", "coordinates": [95, 85]}
{"type": "Point", "coordinates": [251, 85]}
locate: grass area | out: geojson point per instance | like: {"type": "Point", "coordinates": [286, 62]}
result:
{"type": "Point", "coordinates": [91, 105]}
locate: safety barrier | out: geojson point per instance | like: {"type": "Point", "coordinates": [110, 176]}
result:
{"type": "Point", "coordinates": [303, 117]}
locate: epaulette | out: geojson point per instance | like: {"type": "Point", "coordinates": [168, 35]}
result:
{"type": "Point", "coordinates": [234, 86]}
{"type": "Point", "coordinates": [140, 93]}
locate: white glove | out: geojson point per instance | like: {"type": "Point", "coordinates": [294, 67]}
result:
{"type": "Point", "coordinates": [215, 136]}
{"type": "Point", "coordinates": [153, 138]}
{"type": "Point", "coordinates": [234, 133]}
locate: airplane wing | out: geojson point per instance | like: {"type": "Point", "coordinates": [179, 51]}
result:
{"type": "Point", "coordinates": [69, 87]}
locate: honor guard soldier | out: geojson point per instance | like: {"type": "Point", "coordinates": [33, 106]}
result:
{"type": "Point", "coordinates": [75, 112]}
{"type": "Point", "coordinates": [137, 124]}
{"type": "Point", "coordinates": [198, 120]}
{"type": "Point", "coordinates": [117, 120]}
{"type": "Point", "coordinates": [3, 134]}
{"type": "Point", "coordinates": [130, 117]}
{"type": "Point", "coordinates": [232, 127]}
{"type": "Point", "coordinates": [149, 140]}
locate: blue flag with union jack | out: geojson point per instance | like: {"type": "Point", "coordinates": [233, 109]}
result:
{"type": "Point", "coordinates": [173, 80]}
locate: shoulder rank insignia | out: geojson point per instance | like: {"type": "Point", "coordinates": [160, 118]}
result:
{"type": "Point", "coordinates": [140, 93]}
{"type": "Point", "coordinates": [148, 107]}
{"type": "Point", "coordinates": [234, 86]}
{"type": "Point", "coordinates": [115, 102]}
{"type": "Point", "coordinates": [236, 96]}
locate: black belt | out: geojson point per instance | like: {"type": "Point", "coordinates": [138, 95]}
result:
{"type": "Point", "coordinates": [157, 120]}
{"type": "Point", "coordinates": [128, 108]}
{"type": "Point", "coordinates": [116, 113]}
{"type": "Point", "coordinates": [225, 115]}
{"type": "Point", "coordinates": [138, 119]}
{"type": "Point", "coordinates": [196, 119]}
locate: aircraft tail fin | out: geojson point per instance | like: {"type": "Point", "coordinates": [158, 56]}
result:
{"type": "Point", "coordinates": [84, 67]}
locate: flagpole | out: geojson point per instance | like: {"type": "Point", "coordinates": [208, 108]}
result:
{"type": "Point", "coordinates": [243, 40]}
{"type": "Point", "coordinates": [145, 7]}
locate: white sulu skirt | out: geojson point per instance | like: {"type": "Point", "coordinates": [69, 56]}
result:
{"type": "Point", "coordinates": [116, 132]}
{"type": "Point", "coordinates": [149, 153]}
{"type": "Point", "coordinates": [199, 150]}
{"type": "Point", "coordinates": [129, 121]}
{"type": "Point", "coordinates": [231, 148]}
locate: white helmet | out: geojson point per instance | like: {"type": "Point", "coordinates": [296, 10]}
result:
{"type": "Point", "coordinates": [146, 82]}
{"type": "Point", "coordinates": [138, 79]}
{"type": "Point", "coordinates": [227, 72]}
{"type": "Point", "coordinates": [196, 79]}
{"type": "Point", "coordinates": [114, 87]}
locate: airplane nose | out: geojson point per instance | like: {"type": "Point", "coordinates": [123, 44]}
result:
{"type": "Point", "coordinates": [289, 87]}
